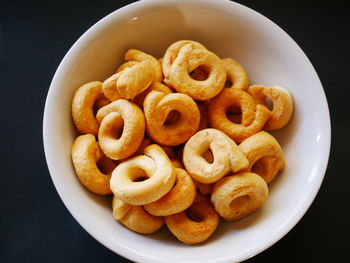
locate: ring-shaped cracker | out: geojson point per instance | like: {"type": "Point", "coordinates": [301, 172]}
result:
{"type": "Point", "coordinates": [157, 107]}
{"type": "Point", "coordinates": [235, 74]}
{"type": "Point", "coordinates": [125, 65]}
{"type": "Point", "coordinates": [86, 155]}
{"type": "Point", "coordinates": [227, 156]}
{"type": "Point", "coordinates": [239, 195]}
{"type": "Point", "coordinates": [83, 103]}
{"type": "Point", "coordinates": [129, 82]}
{"type": "Point", "coordinates": [136, 55]}
{"type": "Point", "coordinates": [282, 104]}
{"type": "Point", "coordinates": [198, 227]}
{"type": "Point", "coordinates": [109, 87]}
{"type": "Point", "coordinates": [125, 118]}
{"type": "Point", "coordinates": [172, 52]}
{"type": "Point", "coordinates": [189, 59]}
{"type": "Point", "coordinates": [265, 155]}
{"type": "Point", "coordinates": [254, 116]}
{"type": "Point", "coordinates": [179, 198]}
{"type": "Point", "coordinates": [138, 220]}
{"type": "Point", "coordinates": [186, 61]}
{"type": "Point", "coordinates": [155, 166]}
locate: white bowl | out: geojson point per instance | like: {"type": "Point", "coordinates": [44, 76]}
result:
{"type": "Point", "coordinates": [270, 57]}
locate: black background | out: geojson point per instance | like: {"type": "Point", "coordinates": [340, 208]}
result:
{"type": "Point", "coordinates": [35, 35]}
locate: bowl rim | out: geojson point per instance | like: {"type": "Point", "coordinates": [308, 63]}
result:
{"type": "Point", "coordinates": [129, 253]}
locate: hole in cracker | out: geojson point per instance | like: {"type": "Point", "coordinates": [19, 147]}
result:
{"type": "Point", "coordinates": [258, 167]}
{"type": "Point", "coordinates": [266, 167]}
{"type": "Point", "coordinates": [269, 103]}
{"type": "Point", "coordinates": [208, 156]}
{"type": "Point", "coordinates": [200, 73]}
{"type": "Point", "coordinates": [234, 114]}
{"type": "Point", "coordinates": [138, 175]}
{"type": "Point", "coordinates": [240, 204]}
{"type": "Point", "coordinates": [228, 84]}
{"type": "Point", "coordinates": [233, 110]}
{"type": "Point", "coordinates": [194, 215]}
{"type": "Point", "coordinates": [235, 118]}
{"type": "Point", "coordinates": [173, 117]}
{"type": "Point", "coordinates": [117, 130]}
{"type": "Point", "coordinates": [140, 179]}
{"type": "Point", "coordinates": [175, 183]}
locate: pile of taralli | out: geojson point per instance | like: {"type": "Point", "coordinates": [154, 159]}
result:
{"type": "Point", "coordinates": [161, 136]}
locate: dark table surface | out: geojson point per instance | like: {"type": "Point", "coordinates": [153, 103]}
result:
{"type": "Point", "coordinates": [35, 35]}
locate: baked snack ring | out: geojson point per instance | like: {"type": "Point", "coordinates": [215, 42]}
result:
{"type": "Point", "coordinates": [83, 103]}
{"type": "Point", "coordinates": [235, 74]}
{"type": "Point", "coordinates": [124, 118]}
{"type": "Point", "coordinates": [129, 82]}
{"type": "Point", "coordinates": [155, 166]}
{"type": "Point", "coordinates": [265, 155]}
{"type": "Point", "coordinates": [87, 157]}
{"type": "Point", "coordinates": [172, 52]}
{"type": "Point", "coordinates": [189, 59]}
{"type": "Point", "coordinates": [138, 220]}
{"type": "Point", "coordinates": [135, 218]}
{"type": "Point", "coordinates": [198, 226]}
{"type": "Point", "coordinates": [139, 56]}
{"type": "Point", "coordinates": [157, 107]}
{"type": "Point", "coordinates": [179, 198]}
{"type": "Point", "coordinates": [254, 116]}
{"type": "Point", "coordinates": [109, 87]}
{"type": "Point", "coordinates": [125, 65]}
{"type": "Point", "coordinates": [239, 195]}
{"type": "Point", "coordinates": [227, 156]}
{"type": "Point", "coordinates": [282, 103]}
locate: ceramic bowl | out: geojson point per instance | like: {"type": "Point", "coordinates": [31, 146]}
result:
{"type": "Point", "coordinates": [229, 29]}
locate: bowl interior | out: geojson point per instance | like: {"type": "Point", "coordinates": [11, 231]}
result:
{"type": "Point", "coordinates": [269, 56]}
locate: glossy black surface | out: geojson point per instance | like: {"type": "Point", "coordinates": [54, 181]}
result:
{"type": "Point", "coordinates": [35, 35]}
